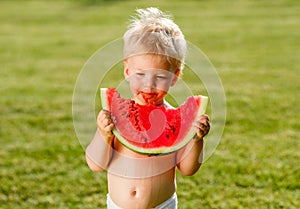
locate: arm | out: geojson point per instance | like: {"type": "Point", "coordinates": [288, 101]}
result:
{"type": "Point", "coordinates": [189, 159]}
{"type": "Point", "coordinates": [99, 152]}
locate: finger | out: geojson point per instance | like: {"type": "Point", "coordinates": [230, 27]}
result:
{"type": "Point", "coordinates": [108, 130]}
{"type": "Point", "coordinates": [103, 114]}
{"type": "Point", "coordinates": [202, 127]}
{"type": "Point", "coordinates": [205, 125]}
{"type": "Point", "coordinates": [107, 115]}
{"type": "Point", "coordinates": [201, 123]}
{"type": "Point", "coordinates": [105, 122]}
{"type": "Point", "coordinates": [101, 124]}
{"type": "Point", "coordinates": [203, 118]}
{"type": "Point", "coordinates": [110, 127]}
{"type": "Point", "coordinates": [101, 119]}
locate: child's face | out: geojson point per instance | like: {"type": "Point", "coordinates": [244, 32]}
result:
{"type": "Point", "coordinates": [150, 77]}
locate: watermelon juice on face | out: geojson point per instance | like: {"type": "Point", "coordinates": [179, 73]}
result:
{"type": "Point", "coordinates": [151, 97]}
{"type": "Point", "coordinates": [149, 77]}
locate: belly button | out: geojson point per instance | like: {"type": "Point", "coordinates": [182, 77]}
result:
{"type": "Point", "coordinates": [134, 193]}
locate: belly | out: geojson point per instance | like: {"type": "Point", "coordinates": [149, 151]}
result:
{"type": "Point", "coordinates": [137, 181]}
{"type": "Point", "coordinates": [141, 193]}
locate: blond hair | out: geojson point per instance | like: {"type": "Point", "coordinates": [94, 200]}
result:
{"type": "Point", "coordinates": [153, 32]}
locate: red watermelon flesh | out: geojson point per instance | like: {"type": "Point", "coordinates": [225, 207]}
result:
{"type": "Point", "coordinates": [151, 129]}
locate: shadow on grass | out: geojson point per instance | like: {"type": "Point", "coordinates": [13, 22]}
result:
{"type": "Point", "coordinates": [95, 2]}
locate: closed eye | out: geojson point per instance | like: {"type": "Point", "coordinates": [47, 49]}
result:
{"type": "Point", "coordinates": [161, 77]}
{"type": "Point", "coordinates": [140, 74]}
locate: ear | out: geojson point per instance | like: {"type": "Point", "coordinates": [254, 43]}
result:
{"type": "Point", "coordinates": [175, 78]}
{"type": "Point", "coordinates": [126, 70]}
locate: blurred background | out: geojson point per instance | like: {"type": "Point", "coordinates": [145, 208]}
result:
{"type": "Point", "coordinates": [254, 46]}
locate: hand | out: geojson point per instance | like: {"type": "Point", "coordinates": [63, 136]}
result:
{"type": "Point", "coordinates": [202, 127]}
{"type": "Point", "coordinates": [105, 125]}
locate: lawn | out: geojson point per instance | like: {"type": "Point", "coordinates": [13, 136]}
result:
{"type": "Point", "coordinates": [254, 46]}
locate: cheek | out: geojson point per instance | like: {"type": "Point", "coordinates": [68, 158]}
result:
{"type": "Point", "coordinates": [164, 85]}
{"type": "Point", "coordinates": [135, 83]}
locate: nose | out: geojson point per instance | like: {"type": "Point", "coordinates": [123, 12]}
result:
{"type": "Point", "coordinates": [149, 83]}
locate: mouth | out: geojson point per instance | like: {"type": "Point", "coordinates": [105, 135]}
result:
{"type": "Point", "coordinates": [148, 96]}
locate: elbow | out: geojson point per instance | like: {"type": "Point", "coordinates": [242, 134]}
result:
{"type": "Point", "coordinates": [93, 166]}
{"type": "Point", "coordinates": [189, 171]}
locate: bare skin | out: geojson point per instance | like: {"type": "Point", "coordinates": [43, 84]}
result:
{"type": "Point", "coordinates": [137, 181]}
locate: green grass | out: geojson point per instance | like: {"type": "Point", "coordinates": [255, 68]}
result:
{"type": "Point", "coordinates": [254, 46]}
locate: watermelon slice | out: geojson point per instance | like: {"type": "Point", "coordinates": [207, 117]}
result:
{"type": "Point", "coordinates": [150, 129]}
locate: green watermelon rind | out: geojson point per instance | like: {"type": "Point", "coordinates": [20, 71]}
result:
{"type": "Point", "coordinates": [159, 150]}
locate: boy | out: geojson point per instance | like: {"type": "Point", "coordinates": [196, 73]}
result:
{"type": "Point", "coordinates": [154, 51]}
